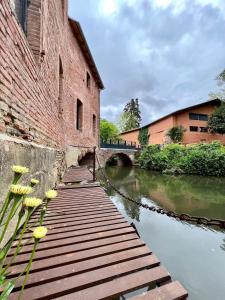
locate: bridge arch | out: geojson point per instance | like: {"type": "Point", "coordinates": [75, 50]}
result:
{"type": "Point", "coordinates": [119, 159]}
{"type": "Point", "coordinates": [124, 157]}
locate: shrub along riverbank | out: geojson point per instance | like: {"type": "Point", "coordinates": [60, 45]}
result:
{"type": "Point", "coordinates": [201, 159]}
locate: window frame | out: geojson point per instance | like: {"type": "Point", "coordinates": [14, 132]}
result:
{"type": "Point", "coordinates": [88, 80]}
{"type": "Point", "coordinates": [198, 117]}
{"type": "Point", "coordinates": [192, 127]}
{"type": "Point", "coordinates": [94, 124]}
{"type": "Point", "coordinates": [79, 115]}
{"type": "Point", "coordinates": [203, 129]}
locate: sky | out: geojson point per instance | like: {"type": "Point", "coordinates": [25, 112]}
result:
{"type": "Point", "coordinates": [166, 53]}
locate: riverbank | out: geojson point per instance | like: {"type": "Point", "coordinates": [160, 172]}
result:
{"type": "Point", "coordinates": [200, 159]}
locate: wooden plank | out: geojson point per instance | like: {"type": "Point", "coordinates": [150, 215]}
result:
{"type": "Point", "coordinates": [70, 227]}
{"type": "Point", "coordinates": [68, 222]}
{"type": "Point", "coordinates": [24, 256]}
{"type": "Point", "coordinates": [77, 256]}
{"type": "Point", "coordinates": [170, 291]}
{"type": "Point", "coordinates": [90, 185]}
{"type": "Point", "coordinates": [78, 210]}
{"type": "Point", "coordinates": [76, 216]}
{"type": "Point", "coordinates": [73, 283]}
{"type": "Point", "coordinates": [61, 234]}
{"type": "Point", "coordinates": [80, 239]}
{"type": "Point", "coordinates": [119, 286]}
{"type": "Point", "coordinates": [57, 273]}
{"type": "Point", "coordinates": [41, 253]}
{"type": "Point", "coordinates": [81, 204]}
{"type": "Point", "coordinates": [79, 219]}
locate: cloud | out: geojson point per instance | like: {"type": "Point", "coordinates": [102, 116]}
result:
{"type": "Point", "coordinates": [167, 53]}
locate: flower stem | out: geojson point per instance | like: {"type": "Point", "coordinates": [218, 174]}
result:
{"type": "Point", "coordinates": [28, 268]}
{"type": "Point", "coordinates": [8, 220]}
{"type": "Point", "coordinates": [42, 215]}
{"type": "Point", "coordinates": [18, 248]}
{"type": "Point", "coordinates": [8, 246]}
{"type": "Point", "coordinates": [9, 197]}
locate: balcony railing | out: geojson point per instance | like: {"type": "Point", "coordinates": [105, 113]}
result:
{"type": "Point", "coordinates": [120, 144]}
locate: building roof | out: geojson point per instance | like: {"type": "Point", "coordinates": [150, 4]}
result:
{"type": "Point", "coordinates": [214, 101]}
{"type": "Point", "coordinates": [86, 51]}
{"type": "Point", "coordinates": [131, 130]}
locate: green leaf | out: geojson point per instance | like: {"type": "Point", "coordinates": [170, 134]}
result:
{"type": "Point", "coordinates": [6, 292]}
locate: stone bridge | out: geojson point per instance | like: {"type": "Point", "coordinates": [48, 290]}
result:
{"type": "Point", "coordinates": [125, 157]}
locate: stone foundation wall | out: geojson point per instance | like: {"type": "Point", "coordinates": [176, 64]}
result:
{"type": "Point", "coordinates": [45, 164]}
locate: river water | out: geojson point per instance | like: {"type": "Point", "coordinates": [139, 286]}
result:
{"type": "Point", "coordinates": [193, 254]}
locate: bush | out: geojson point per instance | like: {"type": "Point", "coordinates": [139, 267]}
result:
{"type": "Point", "coordinates": [176, 134]}
{"type": "Point", "coordinates": [200, 159]}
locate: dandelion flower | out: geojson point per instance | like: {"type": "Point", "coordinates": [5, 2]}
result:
{"type": "Point", "coordinates": [20, 169]}
{"type": "Point", "coordinates": [34, 181]}
{"type": "Point", "coordinates": [40, 232]}
{"type": "Point", "coordinates": [20, 189]}
{"type": "Point", "coordinates": [32, 202]}
{"type": "Point", "coordinates": [51, 194]}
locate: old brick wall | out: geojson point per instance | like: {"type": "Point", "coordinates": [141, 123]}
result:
{"type": "Point", "coordinates": [43, 71]}
{"type": "Point", "coordinates": [29, 87]}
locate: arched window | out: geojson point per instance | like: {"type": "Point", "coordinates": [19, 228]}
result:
{"type": "Point", "coordinates": [60, 99]}
{"type": "Point", "coordinates": [79, 119]}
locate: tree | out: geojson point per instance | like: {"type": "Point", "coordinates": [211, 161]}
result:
{"type": "Point", "coordinates": [176, 133]}
{"type": "Point", "coordinates": [216, 122]}
{"type": "Point", "coordinates": [221, 83]}
{"type": "Point", "coordinates": [143, 136]}
{"type": "Point", "coordinates": [108, 131]}
{"type": "Point", "coordinates": [131, 116]}
{"type": "Point", "coordinates": [127, 121]}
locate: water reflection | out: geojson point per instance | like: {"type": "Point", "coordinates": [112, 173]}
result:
{"type": "Point", "coordinates": [195, 256]}
{"type": "Point", "coordinates": [195, 195]}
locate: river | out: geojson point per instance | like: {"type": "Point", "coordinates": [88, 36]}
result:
{"type": "Point", "coordinates": [193, 254]}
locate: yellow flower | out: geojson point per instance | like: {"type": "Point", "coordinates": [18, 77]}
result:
{"type": "Point", "coordinates": [20, 169]}
{"type": "Point", "coordinates": [34, 181]}
{"type": "Point", "coordinates": [40, 232]}
{"type": "Point", "coordinates": [51, 194]}
{"type": "Point", "coordinates": [32, 202]}
{"type": "Point", "coordinates": [20, 189]}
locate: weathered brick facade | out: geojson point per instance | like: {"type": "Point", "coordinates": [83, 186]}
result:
{"type": "Point", "coordinates": [43, 73]}
{"type": "Point", "coordinates": [46, 70]}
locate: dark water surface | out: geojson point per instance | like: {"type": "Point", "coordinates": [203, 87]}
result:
{"type": "Point", "coordinates": [194, 255]}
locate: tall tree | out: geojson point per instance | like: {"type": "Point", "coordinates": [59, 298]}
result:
{"type": "Point", "coordinates": [131, 116]}
{"type": "Point", "coordinates": [108, 131]}
{"type": "Point", "coordinates": [216, 122]}
{"type": "Point", "coordinates": [221, 83]}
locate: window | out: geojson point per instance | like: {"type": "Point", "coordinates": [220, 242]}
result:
{"type": "Point", "coordinates": [20, 9]}
{"type": "Point", "coordinates": [200, 117]}
{"type": "Point", "coordinates": [194, 128]}
{"type": "Point", "coordinates": [94, 124]}
{"type": "Point", "coordinates": [60, 99]}
{"type": "Point", "coordinates": [88, 80]}
{"type": "Point", "coordinates": [79, 120]}
{"type": "Point", "coordinates": [203, 129]}
{"type": "Point", "coordinates": [203, 117]}
{"type": "Point", "coordinates": [28, 14]}
{"type": "Point", "coordinates": [63, 8]}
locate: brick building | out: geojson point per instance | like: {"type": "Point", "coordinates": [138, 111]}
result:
{"type": "Point", "coordinates": [49, 88]}
{"type": "Point", "coordinates": [193, 119]}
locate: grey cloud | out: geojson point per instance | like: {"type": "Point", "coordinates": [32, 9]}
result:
{"type": "Point", "coordinates": [167, 60]}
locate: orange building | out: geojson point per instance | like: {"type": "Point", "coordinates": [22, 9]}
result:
{"type": "Point", "coordinates": [193, 119]}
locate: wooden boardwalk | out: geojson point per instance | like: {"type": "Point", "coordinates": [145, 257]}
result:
{"type": "Point", "coordinates": [91, 252]}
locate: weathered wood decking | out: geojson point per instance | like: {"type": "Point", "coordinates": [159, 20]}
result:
{"type": "Point", "coordinates": [90, 252]}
